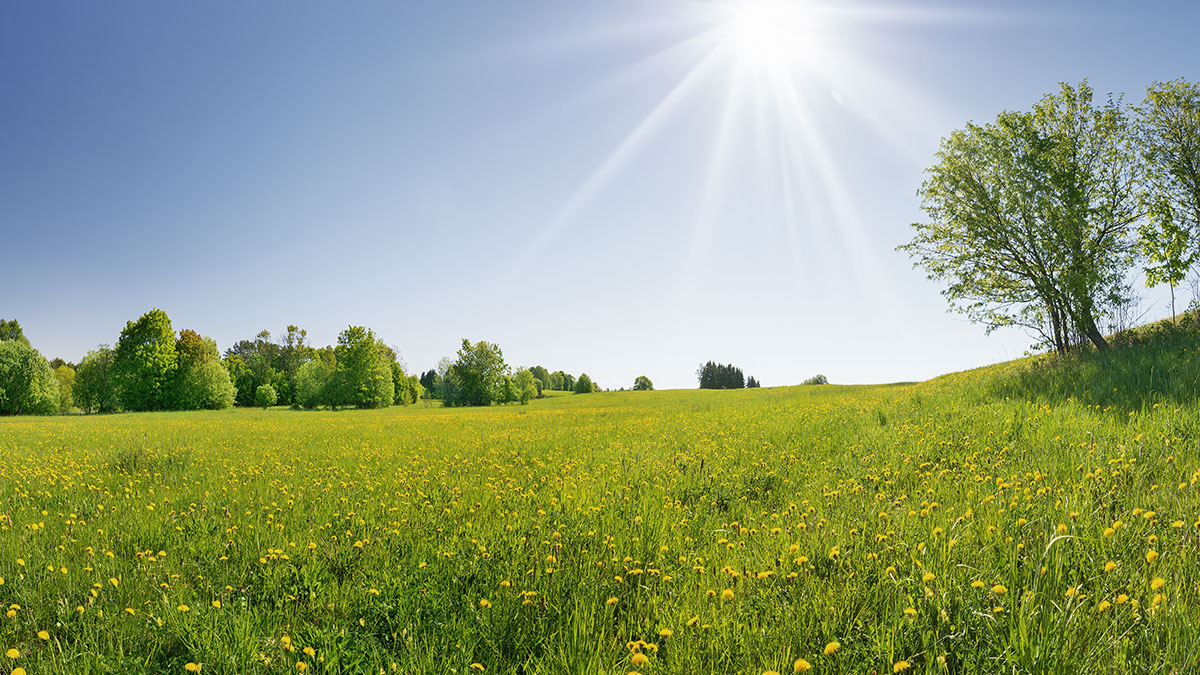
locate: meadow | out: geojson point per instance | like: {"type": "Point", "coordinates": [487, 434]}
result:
{"type": "Point", "coordinates": [1022, 518]}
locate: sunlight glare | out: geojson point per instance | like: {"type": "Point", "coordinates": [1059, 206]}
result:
{"type": "Point", "coordinates": [770, 33]}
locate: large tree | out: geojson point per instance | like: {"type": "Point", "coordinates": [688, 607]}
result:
{"type": "Point", "coordinates": [10, 329]}
{"type": "Point", "coordinates": [201, 381]}
{"type": "Point", "coordinates": [1031, 215]}
{"type": "Point", "coordinates": [476, 377]}
{"type": "Point", "coordinates": [27, 385]}
{"type": "Point", "coordinates": [145, 364]}
{"type": "Point", "coordinates": [364, 376]}
{"type": "Point", "coordinates": [1169, 136]}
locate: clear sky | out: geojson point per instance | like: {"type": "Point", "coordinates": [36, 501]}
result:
{"type": "Point", "coordinates": [618, 187]}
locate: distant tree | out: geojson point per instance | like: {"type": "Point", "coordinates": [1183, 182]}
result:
{"type": "Point", "coordinates": [59, 361]}
{"type": "Point", "coordinates": [95, 390]}
{"type": "Point", "coordinates": [752, 383]}
{"type": "Point", "coordinates": [364, 376]}
{"type": "Point", "coordinates": [145, 364]}
{"type": "Point", "coordinates": [526, 385]}
{"type": "Point", "coordinates": [430, 381]}
{"type": "Point", "coordinates": [816, 379]}
{"type": "Point", "coordinates": [568, 382]}
{"type": "Point", "coordinates": [10, 329]}
{"type": "Point", "coordinates": [714, 375]}
{"type": "Point", "coordinates": [1169, 136]}
{"type": "Point", "coordinates": [1030, 218]}
{"type": "Point", "coordinates": [27, 385]}
{"type": "Point", "coordinates": [477, 375]}
{"type": "Point", "coordinates": [265, 397]}
{"type": "Point", "coordinates": [584, 384]}
{"type": "Point", "coordinates": [66, 383]}
{"type": "Point", "coordinates": [556, 381]}
{"type": "Point", "coordinates": [314, 379]}
{"type": "Point", "coordinates": [508, 391]}
{"type": "Point", "coordinates": [643, 383]}
{"type": "Point", "coordinates": [540, 373]}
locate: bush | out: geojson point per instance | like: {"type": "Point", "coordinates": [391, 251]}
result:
{"type": "Point", "coordinates": [584, 384]}
{"type": "Point", "coordinates": [816, 379]}
{"type": "Point", "coordinates": [206, 386]}
{"type": "Point", "coordinates": [265, 396]}
{"type": "Point", "coordinates": [27, 385]}
{"type": "Point", "coordinates": [313, 382]}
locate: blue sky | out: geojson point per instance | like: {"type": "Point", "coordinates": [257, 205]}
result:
{"type": "Point", "coordinates": [620, 188]}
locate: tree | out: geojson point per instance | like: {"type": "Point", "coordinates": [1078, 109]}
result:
{"type": "Point", "coordinates": [1169, 135]}
{"type": "Point", "coordinates": [313, 380]}
{"type": "Point", "coordinates": [714, 375]}
{"type": "Point", "coordinates": [265, 396]}
{"type": "Point", "coordinates": [752, 383]}
{"type": "Point", "coordinates": [584, 384]}
{"type": "Point", "coordinates": [643, 383]}
{"type": "Point", "coordinates": [816, 379]}
{"type": "Point", "coordinates": [202, 382]}
{"type": "Point", "coordinates": [477, 375]}
{"type": "Point", "coordinates": [95, 390]}
{"type": "Point", "coordinates": [363, 376]}
{"type": "Point", "coordinates": [526, 385]}
{"type": "Point", "coordinates": [66, 383]}
{"type": "Point", "coordinates": [206, 386]}
{"type": "Point", "coordinates": [27, 385]}
{"type": "Point", "coordinates": [1030, 217]}
{"type": "Point", "coordinates": [10, 329]}
{"type": "Point", "coordinates": [145, 364]}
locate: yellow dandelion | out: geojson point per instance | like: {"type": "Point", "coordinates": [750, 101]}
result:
{"type": "Point", "coordinates": [927, 577]}
{"type": "Point", "coordinates": [43, 635]}
{"type": "Point", "coordinates": [611, 601]}
{"type": "Point", "coordinates": [310, 652]}
{"type": "Point", "coordinates": [12, 653]}
{"type": "Point", "coordinates": [666, 632]}
{"type": "Point", "coordinates": [727, 594]}
{"type": "Point", "coordinates": [192, 667]}
{"type": "Point", "coordinates": [1151, 555]}
{"type": "Point", "coordinates": [1157, 584]}
{"type": "Point", "coordinates": [477, 667]}
{"type": "Point", "coordinates": [999, 589]}
{"type": "Point", "coordinates": [1110, 566]}
{"type": "Point", "coordinates": [801, 666]}
{"type": "Point", "coordinates": [639, 659]}
{"type": "Point", "coordinates": [900, 666]}
{"type": "Point", "coordinates": [184, 608]}
{"type": "Point", "coordinates": [832, 647]}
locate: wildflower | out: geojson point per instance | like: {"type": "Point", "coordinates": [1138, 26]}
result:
{"type": "Point", "coordinates": [477, 667]}
{"type": "Point", "coordinates": [301, 666]}
{"type": "Point", "coordinates": [1103, 606]}
{"type": "Point", "coordinates": [801, 666]}
{"type": "Point", "coordinates": [639, 659]}
{"type": "Point", "coordinates": [18, 671]}
{"type": "Point", "coordinates": [1070, 592]}
{"type": "Point", "coordinates": [832, 647]}
{"type": "Point", "coordinates": [184, 608]}
{"type": "Point", "coordinates": [485, 603]}
{"type": "Point", "coordinates": [1151, 556]}
{"type": "Point", "coordinates": [977, 584]}
{"type": "Point", "coordinates": [666, 632]}
{"type": "Point", "coordinates": [216, 604]}
{"type": "Point", "coordinates": [1110, 566]}
{"type": "Point", "coordinates": [192, 667]}
{"type": "Point", "coordinates": [900, 666]}
{"type": "Point", "coordinates": [1158, 583]}
{"type": "Point", "coordinates": [999, 589]}
{"type": "Point", "coordinates": [911, 611]}
{"type": "Point", "coordinates": [12, 653]}
{"type": "Point", "coordinates": [43, 635]}
{"type": "Point", "coordinates": [727, 594]}
{"type": "Point", "coordinates": [310, 652]}
{"type": "Point", "coordinates": [927, 577]}
{"type": "Point", "coordinates": [611, 601]}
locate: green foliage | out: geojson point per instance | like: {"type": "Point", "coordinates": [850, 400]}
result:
{"type": "Point", "coordinates": [1031, 217]}
{"type": "Point", "coordinates": [1169, 134]}
{"type": "Point", "coordinates": [27, 385]}
{"type": "Point", "coordinates": [314, 380]}
{"type": "Point", "coordinates": [714, 375]}
{"type": "Point", "coordinates": [364, 373]}
{"type": "Point", "coordinates": [95, 389]}
{"type": "Point", "coordinates": [526, 386]}
{"type": "Point", "coordinates": [66, 384]}
{"type": "Point", "coordinates": [816, 379]}
{"type": "Point", "coordinates": [642, 383]}
{"type": "Point", "coordinates": [206, 386]}
{"type": "Point", "coordinates": [584, 385]}
{"type": "Point", "coordinates": [10, 329]}
{"type": "Point", "coordinates": [477, 376]}
{"type": "Point", "coordinates": [265, 396]}
{"type": "Point", "coordinates": [145, 365]}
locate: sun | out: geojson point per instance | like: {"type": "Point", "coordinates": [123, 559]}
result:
{"type": "Point", "coordinates": [770, 33]}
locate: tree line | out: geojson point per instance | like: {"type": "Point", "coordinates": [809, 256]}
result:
{"type": "Point", "coordinates": [154, 368]}
{"type": "Point", "coordinates": [1041, 218]}
{"type": "Point", "coordinates": [713, 375]}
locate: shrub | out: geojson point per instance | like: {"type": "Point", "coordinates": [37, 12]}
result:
{"type": "Point", "coordinates": [265, 396]}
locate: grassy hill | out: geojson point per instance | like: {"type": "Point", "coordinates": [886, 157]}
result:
{"type": "Point", "coordinates": [1035, 516]}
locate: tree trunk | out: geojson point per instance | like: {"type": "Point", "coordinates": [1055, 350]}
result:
{"type": "Point", "coordinates": [1093, 334]}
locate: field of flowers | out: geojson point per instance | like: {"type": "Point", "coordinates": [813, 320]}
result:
{"type": "Point", "coordinates": [949, 526]}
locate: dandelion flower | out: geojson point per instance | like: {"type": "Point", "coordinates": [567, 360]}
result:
{"type": "Point", "coordinates": [477, 667]}
{"type": "Point", "coordinates": [1157, 584]}
{"type": "Point", "coordinates": [832, 647]}
{"type": "Point", "coordinates": [727, 594]}
{"type": "Point", "coordinates": [12, 653]}
{"type": "Point", "coordinates": [611, 601]}
{"type": "Point", "coordinates": [192, 667]}
{"type": "Point", "coordinates": [900, 666]}
{"type": "Point", "coordinates": [43, 635]}
{"type": "Point", "coordinates": [639, 659]}
{"type": "Point", "coordinates": [1110, 566]}
{"type": "Point", "coordinates": [184, 608]}
{"type": "Point", "coordinates": [999, 589]}
{"type": "Point", "coordinates": [1151, 555]}
{"type": "Point", "coordinates": [666, 632]}
{"type": "Point", "coordinates": [801, 666]}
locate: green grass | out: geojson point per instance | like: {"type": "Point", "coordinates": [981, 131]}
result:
{"type": "Point", "coordinates": [866, 515]}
